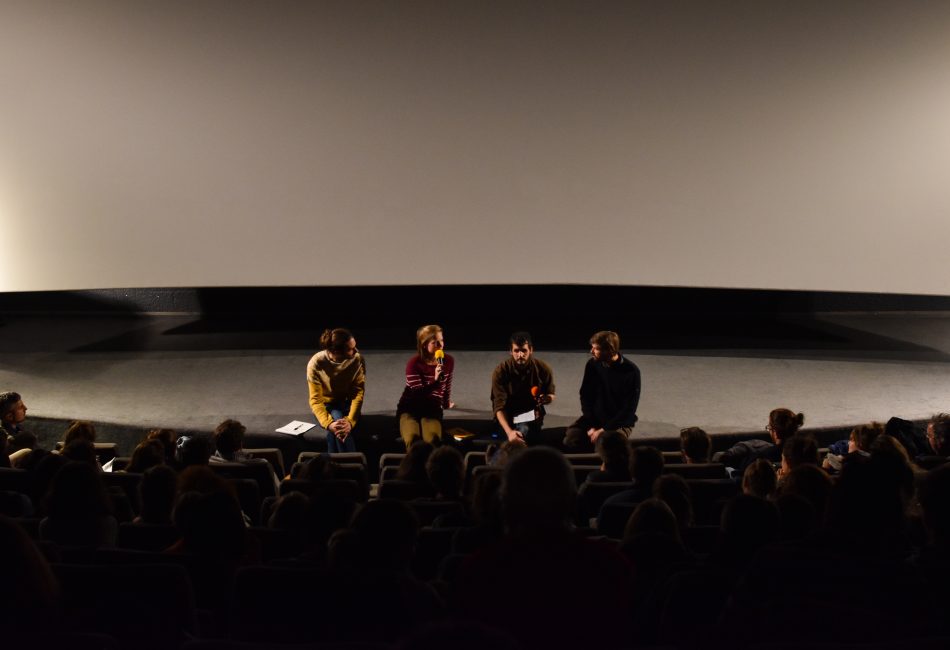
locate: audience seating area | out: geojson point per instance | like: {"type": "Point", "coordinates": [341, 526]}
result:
{"type": "Point", "coordinates": [326, 558]}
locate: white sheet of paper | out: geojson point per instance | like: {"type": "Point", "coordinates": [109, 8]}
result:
{"type": "Point", "coordinates": [108, 466]}
{"type": "Point", "coordinates": [296, 428]}
{"type": "Point", "coordinates": [527, 416]}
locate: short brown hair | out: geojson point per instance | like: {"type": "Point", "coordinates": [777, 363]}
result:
{"type": "Point", "coordinates": [608, 341]}
{"type": "Point", "coordinates": [79, 430]}
{"type": "Point", "coordinates": [864, 435]}
{"type": "Point", "coordinates": [759, 479]}
{"type": "Point", "coordinates": [695, 444]}
{"type": "Point", "coordinates": [801, 449]}
{"type": "Point", "coordinates": [8, 401]}
{"type": "Point", "coordinates": [335, 340]}
{"type": "Point", "coordinates": [229, 436]}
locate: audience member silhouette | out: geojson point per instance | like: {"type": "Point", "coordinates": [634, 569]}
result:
{"type": "Point", "coordinates": [78, 508]}
{"type": "Point", "coordinates": [695, 445]}
{"type": "Point", "coordinates": [146, 454]}
{"type": "Point", "coordinates": [760, 479]}
{"type": "Point", "coordinates": [157, 493]}
{"type": "Point", "coordinates": [412, 467]}
{"type": "Point", "coordinates": [79, 430]}
{"type": "Point", "coordinates": [613, 448]}
{"type": "Point", "coordinates": [782, 425]}
{"type": "Point", "coordinates": [31, 591]}
{"type": "Point", "coordinates": [545, 570]}
{"type": "Point", "coordinates": [169, 439]}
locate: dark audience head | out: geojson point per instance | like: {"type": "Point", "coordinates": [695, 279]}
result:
{"type": "Point", "coordinates": [31, 587]}
{"type": "Point", "coordinates": [211, 524]}
{"type": "Point", "coordinates": [646, 465]}
{"type": "Point", "coordinates": [783, 424]}
{"type": "Point", "coordinates": [800, 449]}
{"type": "Point", "coordinates": [748, 523]}
{"type": "Point", "coordinates": [674, 491]}
{"type": "Point", "coordinates": [229, 437]}
{"type": "Point", "coordinates": [934, 498]}
{"type": "Point", "coordinates": [695, 445]}
{"type": "Point", "coordinates": [797, 517]}
{"type": "Point", "coordinates": [538, 493]}
{"type": "Point", "coordinates": [79, 430]}
{"type": "Point", "coordinates": [23, 440]}
{"type": "Point", "coordinates": [81, 450]}
{"type": "Point", "coordinates": [652, 516]}
{"type": "Point", "coordinates": [327, 513]}
{"type": "Point", "coordinates": [146, 454]}
{"type": "Point", "coordinates": [613, 448]}
{"type": "Point", "coordinates": [47, 466]}
{"type": "Point", "coordinates": [413, 465]}
{"type": "Point", "coordinates": [315, 469]}
{"type": "Point", "coordinates": [760, 479]}
{"type": "Point", "coordinates": [445, 470]}
{"type": "Point", "coordinates": [486, 499]}
{"type": "Point", "coordinates": [208, 515]}
{"type": "Point", "coordinates": [938, 433]}
{"type": "Point", "coordinates": [78, 492]}
{"type": "Point", "coordinates": [811, 483]}
{"type": "Point", "coordinates": [889, 452]}
{"type": "Point", "coordinates": [201, 478]}
{"type": "Point", "coordinates": [501, 455]}
{"type": "Point", "coordinates": [290, 512]}
{"type": "Point", "coordinates": [386, 532]}
{"type": "Point", "coordinates": [32, 459]}
{"type": "Point", "coordinates": [157, 491]}
{"type": "Point", "coordinates": [866, 507]}
{"type": "Point", "coordinates": [193, 450]}
{"type": "Point", "coordinates": [863, 436]}
{"type": "Point", "coordinates": [168, 438]}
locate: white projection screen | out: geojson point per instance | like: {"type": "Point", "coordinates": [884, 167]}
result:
{"type": "Point", "coordinates": [742, 144]}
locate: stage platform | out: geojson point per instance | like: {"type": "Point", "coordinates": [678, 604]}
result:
{"type": "Point", "coordinates": [131, 373]}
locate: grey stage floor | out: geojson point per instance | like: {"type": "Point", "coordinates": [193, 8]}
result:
{"type": "Point", "coordinates": [157, 371]}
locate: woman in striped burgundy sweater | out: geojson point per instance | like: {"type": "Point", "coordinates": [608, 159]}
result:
{"type": "Point", "coordinates": [428, 388]}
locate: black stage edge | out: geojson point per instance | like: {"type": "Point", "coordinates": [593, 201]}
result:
{"type": "Point", "coordinates": [479, 316]}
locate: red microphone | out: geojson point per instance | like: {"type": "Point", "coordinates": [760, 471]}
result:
{"type": "Point", "coordinates": [535, 391]}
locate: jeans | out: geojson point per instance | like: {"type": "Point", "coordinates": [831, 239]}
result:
{"type": "Point", "coordinates": [338, 410]}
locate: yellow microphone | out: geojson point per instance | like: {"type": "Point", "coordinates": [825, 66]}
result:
{"type": "Point", "coordinates": [440, 356]}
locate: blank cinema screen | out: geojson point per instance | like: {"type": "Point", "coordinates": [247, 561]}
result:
{"type": "Point", "coordinates": [750, 144]}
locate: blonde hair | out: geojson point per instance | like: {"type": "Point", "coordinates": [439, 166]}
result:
{"type": "Point", "coordinates": [423, 335]}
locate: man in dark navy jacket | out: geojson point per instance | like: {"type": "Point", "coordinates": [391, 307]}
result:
{"type": "Point", "coordinates": [610, 393]}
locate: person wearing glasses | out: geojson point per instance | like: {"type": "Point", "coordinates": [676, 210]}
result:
{"type": "Point", "coordinates": [783, 424]}
{"type": "Point", "coordinates": [336, 377]}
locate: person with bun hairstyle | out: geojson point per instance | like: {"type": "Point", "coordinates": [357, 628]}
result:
{"type": "Point", "coordinates": [783, 424]}
{"type": "Point", "coordinates": [428, 388]}
{"type": "Point", "coordinates": [337, 379]}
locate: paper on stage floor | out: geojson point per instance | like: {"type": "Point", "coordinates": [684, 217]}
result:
{"type": "Point", "coordinates": [296, 428]}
